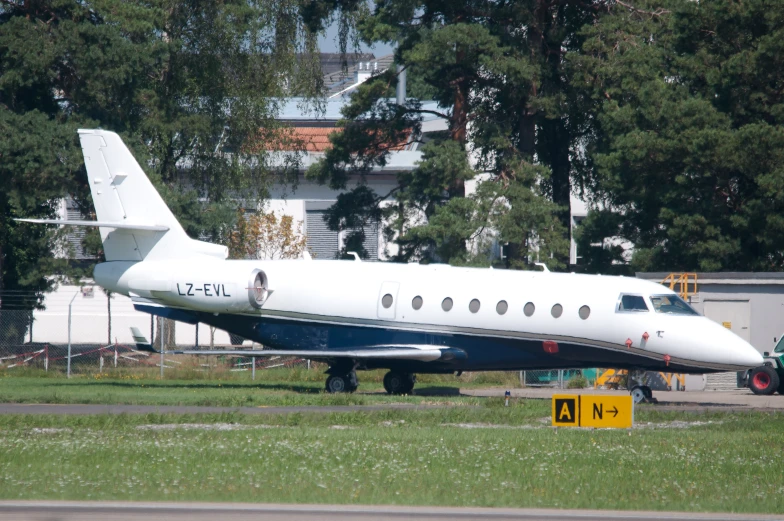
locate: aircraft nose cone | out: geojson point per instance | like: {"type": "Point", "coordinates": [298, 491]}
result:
{"type": "Point", "coordinates": [749, 357]}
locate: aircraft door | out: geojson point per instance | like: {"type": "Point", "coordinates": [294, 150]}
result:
{"type": "Point", "coordinates": [387, 299]}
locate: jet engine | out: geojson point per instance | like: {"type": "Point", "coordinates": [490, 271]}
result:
{"type": "Point", "coordinates": [215, 288]}
{"type": "Point", "coordinates": [217, 294]}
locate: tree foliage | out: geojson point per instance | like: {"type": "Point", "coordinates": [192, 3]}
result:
{"type": "Point", "coordinates": [687, 158]}
{"type": "Point", "coordinates": [187, 84]}
{"type": "Point", "coordinates": [498, 74]}
{"type": "Point", "coordinates": [266, 236]}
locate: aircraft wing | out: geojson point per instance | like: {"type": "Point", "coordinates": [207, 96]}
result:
{"type": "Point", "coordinates": [392, 352]}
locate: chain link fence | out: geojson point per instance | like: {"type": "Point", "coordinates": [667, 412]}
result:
{"type": "Point", "coordinates": [62, 343]}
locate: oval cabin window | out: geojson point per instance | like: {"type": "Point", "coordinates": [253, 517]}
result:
{"type": "Point", "coordinates": [386, 301]}
{"type": "Point", "coordinates": [416, 303]}
{"type": "Point", "coordinates": [585, 312]}
{"type": "Point", "coordinates": [501, 307]}
{"type": "Point", "coordinates": [446, 305]}
{"type": "Point", "coordinates": [474, 306]}
{"type": "Point", "coordinates": [557, 310]}
{"type": "Point", "coordinates": [529, 309]}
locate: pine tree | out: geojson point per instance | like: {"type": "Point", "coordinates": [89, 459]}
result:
{"type": "Point", "coordinates": [499, 66]}
{"type": "Point", "coordinates": [687, 160]}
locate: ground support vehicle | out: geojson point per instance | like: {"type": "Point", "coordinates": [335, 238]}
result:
{"type": "Point", "coordinates": [769, 377]}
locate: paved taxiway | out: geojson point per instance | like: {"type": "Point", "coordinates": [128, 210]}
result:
{"type": "Point", "coordinates": [715, 401]}
{"type": "Point", "coordinates": [108, 511]}
{"type": "Point", "coordinates": [47, 408]}
{"type": "Point", "coordinates": [728, 401]}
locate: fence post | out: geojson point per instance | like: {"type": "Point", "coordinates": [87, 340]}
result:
{"type": "Point", "coordinates": [46, 358]}
{"type": "Point", "coordinates": [253, 371]}
{"type": "Point", "coordinates": [197, 336]}
{"type": "Point", "coordinates": [163, 332]}
{"type": "Point", "coordinates": [115, 352]}
{"type": "Point", "coordinates": [69, 333]}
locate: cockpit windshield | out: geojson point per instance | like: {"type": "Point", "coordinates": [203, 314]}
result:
{"type": "Point", "coordinates": [671, 304]}
{"type": "Point", "coordinates": [632, 303]}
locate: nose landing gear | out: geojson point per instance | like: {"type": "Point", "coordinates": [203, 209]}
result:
{"type": "Point", "coordinates": [642, 394]}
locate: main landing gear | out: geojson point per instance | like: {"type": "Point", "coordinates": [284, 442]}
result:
{"type": "Point", "coordinates": [342, 383]}
{"type": "Point", "coordinates": [399, 383]}
{"type": "Point", "coordinates": [344, 380]}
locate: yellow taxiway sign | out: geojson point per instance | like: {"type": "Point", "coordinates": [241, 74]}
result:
{"type": "Point", "coordinates": [593, 410]}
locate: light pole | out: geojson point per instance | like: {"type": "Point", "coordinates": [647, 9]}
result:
{"type": "Point", "coordinates": [69, 332]}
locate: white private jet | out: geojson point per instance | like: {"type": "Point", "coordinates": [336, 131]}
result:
{"type": "Point", "coordinates": [407, 318]}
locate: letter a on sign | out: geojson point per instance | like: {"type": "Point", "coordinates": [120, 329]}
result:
{"type": "Point", "coordinates": [565, 410]}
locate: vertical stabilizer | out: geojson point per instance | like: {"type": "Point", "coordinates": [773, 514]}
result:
{"type": "Point", "coordinates": [123, 194]}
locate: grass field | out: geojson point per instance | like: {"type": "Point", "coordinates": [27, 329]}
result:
{"type": "Point", "coordinates": [271, 388]}
{"type": "Point", "coordinates": [480, 454]}
{"type": "Point", "coordinates": [457, 456]}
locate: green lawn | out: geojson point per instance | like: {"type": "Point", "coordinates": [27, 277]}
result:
{"type": "Point", "coordinates": [475, 453]}
{"type": "Point", "coordinates": [482, 456]}
{"type": "Point", "coordinates": [231, 393]}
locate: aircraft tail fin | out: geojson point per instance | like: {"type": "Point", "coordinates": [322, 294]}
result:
{"type": "Point", "coordinates": [134, 220]}
{"type": "Point", "coordinates": [141, 341]}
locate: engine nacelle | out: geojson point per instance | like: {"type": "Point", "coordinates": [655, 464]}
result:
{"type": "Point", "coordinates": [218, 294]}
{"type": "Point", "coordinates": [225, 287]}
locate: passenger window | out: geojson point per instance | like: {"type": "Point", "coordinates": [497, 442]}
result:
{"type": "Point", "coordinates": [671, 304]}
{"type": "Point", "coordinates": [632, 303]}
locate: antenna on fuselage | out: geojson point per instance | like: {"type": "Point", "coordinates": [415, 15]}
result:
{"type": "Point", "coordinates": [543, 265]}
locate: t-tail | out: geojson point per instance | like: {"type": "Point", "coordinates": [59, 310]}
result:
{"type": "Point", "coordinates": [133, 219]}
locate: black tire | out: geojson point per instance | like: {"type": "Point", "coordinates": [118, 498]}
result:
{"type": "Point", "coordinates": [638, 395]}
{"type": "Point", "coordinates": [647, 392]}
{"type": "Point", "coordinates": [763, 380]}
{"type": "Point", "coordinates": [399, 383]}
{"type": "Point", "coordinates": [338, 384]}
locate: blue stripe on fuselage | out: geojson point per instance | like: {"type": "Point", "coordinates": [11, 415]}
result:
{"type": "Point", "coordinates": [484, 353]}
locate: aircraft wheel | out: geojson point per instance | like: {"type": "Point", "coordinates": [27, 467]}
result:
{"type": "Point", "coordinates": [339, 384]}
{"type": "Point", "coordinates": [638, 395]}
{"type": "Point", "coordinates": [399, 383]}
{"type": "Point", "coordinates": [763, 380]}
{"type": "Point", "coordinates": [647, 392]}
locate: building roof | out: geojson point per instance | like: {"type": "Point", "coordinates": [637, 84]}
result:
{"type": "Point", "coordinates": [339, 81]}
{"type": "Point", "coordinates": [332, 62]}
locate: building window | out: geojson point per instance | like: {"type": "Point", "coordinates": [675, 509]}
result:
{"type": "Point", "coordinates": [326, 244]}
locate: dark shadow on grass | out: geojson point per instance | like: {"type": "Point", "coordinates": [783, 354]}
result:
{"type": "Point", "coordinates": [438, 391]}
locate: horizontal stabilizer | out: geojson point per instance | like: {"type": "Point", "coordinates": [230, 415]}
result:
{"type": "Point", "coordinates": [101, 224]}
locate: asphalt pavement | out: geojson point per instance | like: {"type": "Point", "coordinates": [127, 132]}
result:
{"type": "Point", "coordinates": [49, 408]}
{"type": "Point", "coordinates": [116, 511]}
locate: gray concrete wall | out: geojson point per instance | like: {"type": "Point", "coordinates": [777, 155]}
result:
{"type": "Point", "coordinates": [767, 308]}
